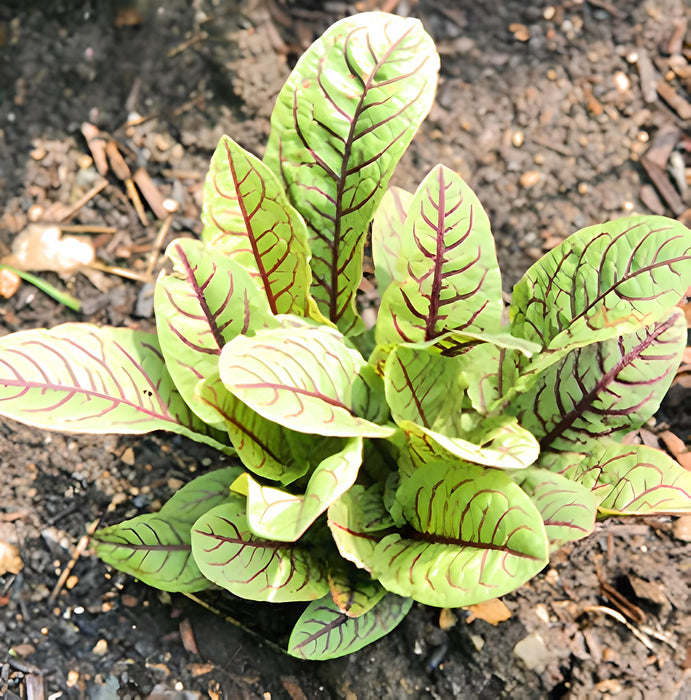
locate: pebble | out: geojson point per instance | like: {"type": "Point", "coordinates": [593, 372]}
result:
{"type": "Point", "coordinates": [529, 179]}
{"type": "Point", "coordinates": [682, 528]}
{"type": "Point", "coordinates": [531, 650]}
{"type": "Point", "coordinates": [100, 648]}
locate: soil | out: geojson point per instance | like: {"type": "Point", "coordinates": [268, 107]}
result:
{"type": "Point", "coordinates": [545, 109]}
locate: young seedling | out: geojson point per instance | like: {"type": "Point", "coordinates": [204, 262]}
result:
{"type": "Point", "coordinates": [436, 457]}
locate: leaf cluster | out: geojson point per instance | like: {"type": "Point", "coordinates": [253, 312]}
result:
{"type": "Point", "coordinates": [437, 457]}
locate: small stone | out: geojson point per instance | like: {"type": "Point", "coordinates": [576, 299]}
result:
{"type": "Point", "coordinates": [517, 138]}
{"type": "Point", "coordinates": [682, 528]}
{"type": "Point", "coordinates": [10, 282]}
{"type": "Point", "coordinates": [128, 457]}
{"type": "Point", "coordinates": [100, 648]}
{"type": "Point", "coordinates": [520, 31]}
{"type": "Point", "coordinates": [529, 179]}
{"type": "Point", "coordinates": [531, 650]}
{"type": "Point", "coordinates": [72, 678]}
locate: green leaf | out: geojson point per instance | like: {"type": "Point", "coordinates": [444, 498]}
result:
{"type": "Point", "coordinates": [230, 555]}
{"type": "Point", "coordinates": [632, 479]}
{"type": "Point", "coordinates": [155, 547]}
{"type": "Point", "coordinates": [602, 281]}
{"type": "Point", "coordinates": [324, 632]}
{"type": "Point", "coordinates": [425, 391]}
{"type": "Point", "coordinates": [300, 378]}
{"type": "Point", "coordinates": [448, 277]}
{"type": "Point", "coordinates": [604, 389]}
{"type": "Point", "coordinates": [507, 445]}
{"type": "Point", "coordinates": [206, 301]}
{"type": "Point", "coordinates": [358, 520]}
{"type": "Point", "coordinates": [387, 226]}
{"type": "Point", "coordinates": [341, 123]}
{"type": "Point", "coordinates": [568, 509]}
{"type": "Point", "coordinates": [422, 386]}
{"type": "Point", "coordinates": [473, 535]}
{"type": "Point", "coordinates": [269, 450]}
{"type": "Point", "coordinates": [353, 590]}
{"type": "Point", "coordinates": [278, 515]}
{"type": "Point", "coordinates": [248, 217]}
{"type": "Point", "coordinates": [85, 379]}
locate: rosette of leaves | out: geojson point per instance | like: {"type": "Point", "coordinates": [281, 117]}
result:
{"type": "Point", "coordinates": [436, 457]}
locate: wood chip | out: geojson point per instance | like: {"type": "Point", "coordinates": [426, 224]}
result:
{"type": "Point", "coordinates": [97, 145]}
{"type": "Point", "coordinates": [676, 41]}
{"type": "Point", "coordinates": [649, 76]}
{"type": "Point", "coordinates": [150, 193]}
{"type": "Point", "coordinates": [677, 448]}
{"type": "Point", "coordinates": [663, 185]}
{"type": "Point", "coordinates": [680, 105]}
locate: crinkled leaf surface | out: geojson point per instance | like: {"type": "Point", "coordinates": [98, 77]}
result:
{"type": "Point", "coordinates": [632, 479]}
{"type": "Point", "coordinates": [473, 535]}
{"type": "Point", "coordinates": [606, 388]}
{"type": "Point", "coordinates": [387, 227]}
{"type": "Point", "coordinates": [450, 280]}
{"type": "Point", "coordinates": [248, 217]}
{"type": "Point", "coordinates": [341, 122]}
{"type": "Point", "coordinates": [568, 509]}
{"type": "Point", "coordinates": [324, 632]}
{"type": "Point", "coordinates": [300, 378]}
{"type": "Point", "coordinates": [206, 301]}
{"type": "Point", "coordinates": [86, 379]}
{"type": "Point", "coordinates": [627, 271]}
{"type": "Point", "coordinates": [230, 555]}
{"type": "Point", "coordinates": [155, 547]}
{"type": "Point", "coordinates": [265, 448]}
{"type": "Point", "coordinates": [278, 515]}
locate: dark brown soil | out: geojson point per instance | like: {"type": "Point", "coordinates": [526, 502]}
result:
{"type": "Point", "coordinates": [541, 109]}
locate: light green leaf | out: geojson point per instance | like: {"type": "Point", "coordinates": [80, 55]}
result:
{"type": "Point", "coordinates": [568, 509]}
{"type": "Point", "coordinates": [358, 520]}
{"type": "Point", "coordinates": [604, 389]}
{"type": "Point", "coordinates": [300, 378]}
{"type": "Point", "coordinates": [341, 122]}
{"type": "Point", "coordinates": [87, 379]}
{"type": "Point", "coordinates": [206, 301]}
{"type": "Point", "coordinates": [387, 227]}
{"type": "Point", "coordinates": [473, 535]}
{"type": "Point", "coordinates": [602, 281]}
{"type": "Point", "coordinates": [155, 547]}
{"type": "Point", "coordinates": [230, 555]}
{"type": "Point", "coordinates": [248, 217]}
{"type": "Point", "coordinates": [278, 515]}
{"type": "Point", "coordinates": [633, 479]}
{"type": "Point", "coordinates": [265, 448]}
{"type": "Point", "coordinates": [324, 632]}
{"type": "Point", "coordinates": [506, 446]}
{"type": "Point", "coordinates": [450, 278]}
{"type": "Point", "coordinates": [353, 590]}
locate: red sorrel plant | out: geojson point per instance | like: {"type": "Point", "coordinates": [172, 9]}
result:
{"type": "Point", "coordinates": [437, 457]}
